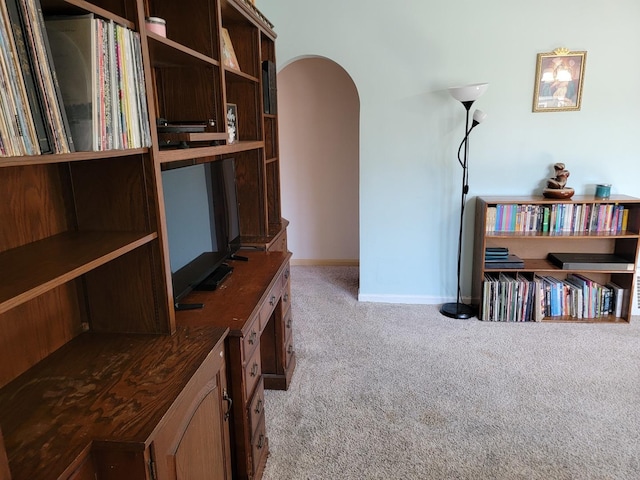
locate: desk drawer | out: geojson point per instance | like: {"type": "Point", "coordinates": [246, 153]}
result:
{"type": "Point", "coordinates": [287, 322]}
{"type": "Point", "coordinates": [252, 372]}
{"type": "Point", "coordinates": [256, 408]}
{"type": "Point", "coordinates": [289, 351]}
{"type": "Point", "coordinates": [270, 304]}
{"type": "Point", "coordinates": [286, 297]}
{"type": "Point", "coordinates": [251, 339]}
{"type": "Point", "coordinates": [259, 445]}
{"type": "Point", "coordinates": [286, 275]}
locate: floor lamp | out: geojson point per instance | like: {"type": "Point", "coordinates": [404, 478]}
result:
{"type": "Point", "coordinates": [465, 95]}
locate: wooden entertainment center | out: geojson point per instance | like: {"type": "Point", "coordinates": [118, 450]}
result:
{"type": "Point", "coordinates": [99, 376]}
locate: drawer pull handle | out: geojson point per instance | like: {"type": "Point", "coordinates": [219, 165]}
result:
{"type": "Point", "coordinates": [285, 297]}
{"type": "Point", "coordinates": [290, 350]}
{"type": "Point", "coordinates": [261, 441]}
{"type": "Point", "coordinates": [289, 322]}
{"type": "Point", "coordinates": [252, 338]}
{"type": "Point", "coordinates": [227, 398]}
{"type": "Point", "coordinates": [286, 274]}
{"type": "Point", "coordinates": [254, 370]}
{"type": "Point", "coordinates": [258, 406]}
{"type": "Point", "coordinates": [272, 300]}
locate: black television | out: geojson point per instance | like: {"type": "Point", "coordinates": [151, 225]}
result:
{"type": "Point", "coordinates": [203, 223]}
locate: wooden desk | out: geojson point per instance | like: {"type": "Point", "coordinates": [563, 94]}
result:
{"type": "Point", "coordinates": [254, 303]}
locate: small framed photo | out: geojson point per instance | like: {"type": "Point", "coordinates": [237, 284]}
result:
{"type": "Point", "coordinates": [232, 123]}
{"type": "Point", "coordinates": [559, 80]}
{"type": "Point", "coordinates": [229, 58]}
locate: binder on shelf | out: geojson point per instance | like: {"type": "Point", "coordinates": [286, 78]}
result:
{"type": "Point", "coordinates": [590, 261]}
{"type": "Point", "coordinates": [269, 93]}
{"type": "Point", "coordinates": [620, 298]}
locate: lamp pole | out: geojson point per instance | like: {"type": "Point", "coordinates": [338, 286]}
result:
{"type": "Point", "coordinates": [467, 96]}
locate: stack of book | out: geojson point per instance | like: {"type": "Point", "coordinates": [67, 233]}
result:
{"type": "Point", "coordinates": [500, 258]}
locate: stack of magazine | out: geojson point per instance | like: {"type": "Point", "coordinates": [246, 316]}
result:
{"type": "Point", "coordinates": [500, 258]}
{"type": "Point", "coordinates": [68, 84]}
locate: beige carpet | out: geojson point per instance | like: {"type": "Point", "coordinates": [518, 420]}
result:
{"type": "Point", "coordinates": [400, 392]}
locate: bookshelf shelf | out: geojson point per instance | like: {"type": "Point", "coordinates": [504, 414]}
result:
{"type": "Point", "coordinates": [580, 233]}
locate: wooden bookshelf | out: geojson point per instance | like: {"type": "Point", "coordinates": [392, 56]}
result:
{"type": "Point", "coordinates": [532, 243]}
{"type": "Point", "coordinates": [97, 379]}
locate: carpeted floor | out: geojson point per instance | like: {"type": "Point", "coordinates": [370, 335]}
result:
{"type": "Point", "coordinates": [386, 391]}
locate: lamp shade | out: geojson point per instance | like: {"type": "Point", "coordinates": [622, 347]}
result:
{"type": "Point", "coordinates": [468, 93]}
{"type": "Point", "coordinates": [479, 116]}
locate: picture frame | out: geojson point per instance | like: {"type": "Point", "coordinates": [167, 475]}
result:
{"type": "Point", "coordinates": [559, 81]}
{"type": "Point", "coordinates": [229, 58]}
{"type": "Point", "coordinates": [232, 123]}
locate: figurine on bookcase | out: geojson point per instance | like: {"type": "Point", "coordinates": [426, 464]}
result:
{"type": "Point", "coordinates": [556, 186]}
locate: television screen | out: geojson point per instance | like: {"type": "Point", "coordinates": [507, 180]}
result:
{"type": "Point", "coordinates": [202, 218]}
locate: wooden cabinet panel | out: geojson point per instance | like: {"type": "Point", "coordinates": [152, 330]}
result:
{"type": "Point", "coordinates": [200, 454]}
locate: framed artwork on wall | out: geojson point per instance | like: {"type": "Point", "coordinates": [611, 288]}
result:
{"type": "Point", "coordinates": [559, 81]}
{"type": "Point", "coordinates": [232, 122]}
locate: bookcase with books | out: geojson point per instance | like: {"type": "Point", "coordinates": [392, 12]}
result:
{"type": "Point", "coordinates": [539, 259]}
{"type": "Point", "coordinates": [99, 376]}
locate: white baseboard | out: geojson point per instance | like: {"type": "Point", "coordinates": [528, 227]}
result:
{"type": "Point", "coordinates": [325, 263]}
{"type": "Point", "coordinates": [404, 299]}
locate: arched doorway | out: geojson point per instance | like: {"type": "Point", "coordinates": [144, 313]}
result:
{"type": "Point", "coordinates": [318, 115]}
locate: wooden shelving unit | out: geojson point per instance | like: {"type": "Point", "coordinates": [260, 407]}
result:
{"type": "Point", "coordinates": [534, 246]}
{"type": "Point", "coordinates": [87, 316]}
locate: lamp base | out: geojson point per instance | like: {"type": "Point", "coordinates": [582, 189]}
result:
{"type": "Point", "coordinates": [460, 311]}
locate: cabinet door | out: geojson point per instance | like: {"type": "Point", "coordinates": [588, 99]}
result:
{"type": "Point", "coordinates": [201, 450]}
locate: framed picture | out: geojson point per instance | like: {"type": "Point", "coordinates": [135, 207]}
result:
{"type": "Point", "coordinates": [232, 123]}
{"type": "Point", "coordinates": [559, 79]}
{"type": "Point", "coordinates": [229, 58]}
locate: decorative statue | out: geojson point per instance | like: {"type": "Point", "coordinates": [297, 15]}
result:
{"type": "Point", "coordinates": [556, 186]}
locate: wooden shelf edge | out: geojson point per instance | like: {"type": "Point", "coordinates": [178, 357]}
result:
{"type": "Point", "coordinates": [174, 155]}
{"type": "Point", "coordinates": [68, 157]}
{"type": "Point", "coordinates": [36, 268]}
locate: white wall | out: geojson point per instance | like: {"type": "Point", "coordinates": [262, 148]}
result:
{"type": "Point", "coordinates": [403, 55]}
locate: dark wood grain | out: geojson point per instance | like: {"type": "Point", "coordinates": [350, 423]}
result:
{"type": "Point", "coordinates": [97, 387]}
{"type": "Point", "coordinates": [240, 296]}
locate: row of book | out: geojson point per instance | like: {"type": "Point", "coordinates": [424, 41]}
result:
{"type": "Point", "coordinates": [530, 297]}
{"type": "Point", "coordinates": [557, 218]}
{"type": "Point", "coordinates": [68, 84]}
